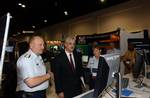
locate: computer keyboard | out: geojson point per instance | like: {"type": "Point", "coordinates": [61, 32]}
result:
{"type": "Point", "coordinates": [125, 82]}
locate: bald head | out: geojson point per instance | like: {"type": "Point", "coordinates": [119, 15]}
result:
{"type": "Point", "coordinates": [37, 44]}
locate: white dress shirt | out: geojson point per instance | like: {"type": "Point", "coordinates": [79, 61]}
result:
{"type": "Point", "coordinates": [93, 64]}
{"type": "Point", "coordinates": [68, 55]}
{"type": "Point", "coordinates": [30, 65]}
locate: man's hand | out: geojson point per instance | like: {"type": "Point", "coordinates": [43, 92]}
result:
{"type": "Point", "coordinates": [49, 74]}
{"type": "Point", "coordinates": [61, 95]}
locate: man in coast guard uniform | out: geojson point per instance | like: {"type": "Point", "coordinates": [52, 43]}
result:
{"type": "Point", "coordinates": [31, 71]}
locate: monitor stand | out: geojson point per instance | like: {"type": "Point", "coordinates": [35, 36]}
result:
{"type": "Point", "coordinates": [117, 75]}
{"type": "Point", "coordinates": [142, 77]}
{"type": "Point", "coordinates": [118, 86]}
{"type": "Point", "coordinates": [141, 84]}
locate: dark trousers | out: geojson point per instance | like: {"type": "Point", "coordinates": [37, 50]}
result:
{"type": "Point", "coordinates": [37, 94]}
{"type": "Point", "coordinates": [71, 94]}
{"type": "Point", "coordinates": [92, 83]}
{"type": "Point", "coordinates": [72, 91]}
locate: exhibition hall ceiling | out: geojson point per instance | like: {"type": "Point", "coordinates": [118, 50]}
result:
{"type": "Point", "coordinates": [35, 14]}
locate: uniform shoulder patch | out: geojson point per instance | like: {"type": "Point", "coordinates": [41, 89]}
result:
{"type": "Point", "coordinates": [27, 55]}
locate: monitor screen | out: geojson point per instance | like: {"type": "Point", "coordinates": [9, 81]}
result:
{"type": "Point", "coordinates": [109, 66]}
{"type": "Point", "coordinates": [113, 61]}
{"type": "Point", "coordinates": [9, 48]}
{"type": "Point", "coordinates": [4, 25]}
{"type": "Point", "coordinates": [85, 58]}
{"type": "Point", "coordinates": [139, 64]}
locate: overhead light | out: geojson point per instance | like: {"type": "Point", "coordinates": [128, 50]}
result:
{"type": "Point", "coordinates": [66, 13]}
{"type": "Point", "coordinates": [20, 4]}
{"type": "Point", "coordinates": [45, 20]}
{"type": "Point", "coordinates": [33, 26]}
{"type": "Point", "coordinates": [102, 0]}
{"type": "Point", "coordinates": [23, 5]}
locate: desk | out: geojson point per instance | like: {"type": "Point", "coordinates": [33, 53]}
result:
{"type": "Point", "coordinates": [137, 92]}
{"type": "Point", "coordinates": [143, 92]}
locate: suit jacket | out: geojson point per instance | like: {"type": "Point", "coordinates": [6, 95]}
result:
{"type": "Point", "coordinates": [66, 80]}
{"type": "Point", "coordinates": [102, 77]}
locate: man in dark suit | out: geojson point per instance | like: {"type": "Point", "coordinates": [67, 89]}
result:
{"type": "Point", "coordinates": [68, 71]}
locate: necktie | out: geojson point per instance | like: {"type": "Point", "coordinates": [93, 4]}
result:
{"type": "Point", "coordinates": [71, 63]}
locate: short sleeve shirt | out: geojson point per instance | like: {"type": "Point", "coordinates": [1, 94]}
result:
{"type": "Point", "coordinates": [30, 65]}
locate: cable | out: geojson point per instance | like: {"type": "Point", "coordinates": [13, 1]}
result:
{"type": "Point", "coordinates": [111, 87]}
{"type": "Point", "coordinates": [109, 93]}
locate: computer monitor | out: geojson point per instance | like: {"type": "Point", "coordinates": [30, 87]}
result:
{"type": "Point", "coordinates": [146, 56]}
{"type": "Point", "coordinates": [9, 48]}
{"type": "Point", "coordinates": [85, 58]}
{"type": "Point", "coordinates": [105, 74]}
{"type": "Point", "coordinates": [113, 61]}
{"type": "Point", "coordinates": [4, 26]}
{"type": "Point", "coordinates": [139, 65]}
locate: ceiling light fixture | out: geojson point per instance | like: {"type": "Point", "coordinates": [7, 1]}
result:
{"type": "Point", "coordinates": [45, 20]}
{"type": "Point", "coordinates": [66, 13]}
{"type": "Point", "coordinates": [20, 4]}
{"type": "Point", "coordinates": [23, 6]}
{"type": "Point", "coordinates": [33, 26]}
{"type": "Point", "coordinates": [102, 0]}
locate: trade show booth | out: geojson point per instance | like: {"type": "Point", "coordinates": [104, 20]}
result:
{"type": "Point", "coordinates": [141, 43]}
